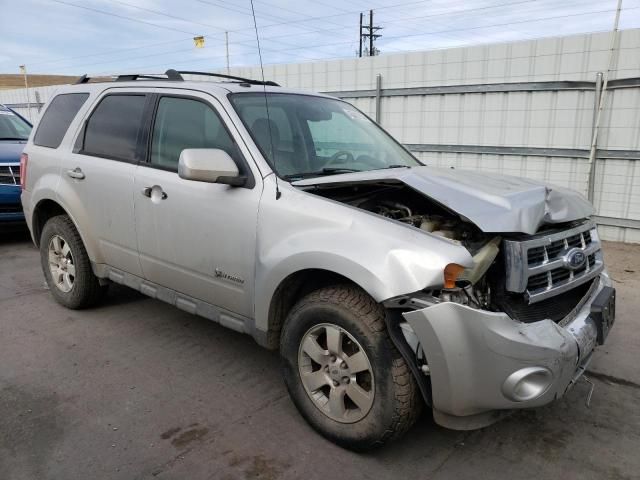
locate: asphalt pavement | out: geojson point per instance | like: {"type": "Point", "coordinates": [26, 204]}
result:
{"type": "Point", "coordinates": [136, 389]}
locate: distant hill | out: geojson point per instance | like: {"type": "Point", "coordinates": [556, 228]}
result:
{"type": "Point", "coordinates": [10, 80]}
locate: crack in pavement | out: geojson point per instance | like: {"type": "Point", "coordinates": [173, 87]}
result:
{"type": "Point", "coordinates": [611, 379]}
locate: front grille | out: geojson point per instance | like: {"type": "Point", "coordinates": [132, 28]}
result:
{"type": "Point", "coordinates": [540, 266]}
{"type": "Point", "coordinates": [536, 255]}
{"type": "Point", "coordinates": [558, 276]}
{"type": "Point", "coordinates": [11, 208]}
{"type": "Point", "coordinates": [10, 174]}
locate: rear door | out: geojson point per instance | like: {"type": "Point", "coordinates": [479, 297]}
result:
{"type": "Point", "coordinates": [97, 178]}
{"type": "Point", "coordinates": [196, 238]}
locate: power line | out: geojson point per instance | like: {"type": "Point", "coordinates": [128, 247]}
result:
{"type": "Point", "coordinates": [121, 16]}
{"type": "Point", "coordinates": [240, 30]}
{"type": "Point", "coordinates": [168, 15]}
{"type": "Point", "coordinates": [142, 21]}
{"type": "Point", "coordinates": [237, 43]}
{"type": "Point", "coordinates": [287, 51]}
{"type": "Point", "coordinates": [173, 17]}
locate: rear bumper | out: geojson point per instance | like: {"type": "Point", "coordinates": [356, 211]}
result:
{"type": "Point", "coordinates": [477, 357]}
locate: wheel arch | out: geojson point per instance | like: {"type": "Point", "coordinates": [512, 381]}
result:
{"type": "Point", "coordinates": [43, 211]}
{"type": "Point", "coordinates": [292, 288]}
{"type": "Point", "coordinates": [47, 208]}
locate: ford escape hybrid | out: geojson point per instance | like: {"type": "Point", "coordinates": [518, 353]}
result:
{"type": "Point", "coordinates": [385, 284]}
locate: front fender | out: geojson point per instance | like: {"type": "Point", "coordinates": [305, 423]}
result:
{"type": "Point", "coordinates": [303, 231]}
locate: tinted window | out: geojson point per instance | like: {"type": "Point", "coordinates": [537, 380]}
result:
{"type": "Point", "coordinates": [57, 118]}
{"type": "Point", "coordinates": [114, 126]}
{"type": "Point", "coordinates": [184, 123]}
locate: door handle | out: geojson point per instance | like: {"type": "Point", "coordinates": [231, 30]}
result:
{"type": "Point", "coordinates": [76, 173]}
{"type": "Point", "coordinates": [147, 192]}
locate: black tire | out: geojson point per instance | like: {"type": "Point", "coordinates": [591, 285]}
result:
{"type": "Point", "coordinates": [86, 290]}
{"type": "Point", "coordinates": [397, 402]}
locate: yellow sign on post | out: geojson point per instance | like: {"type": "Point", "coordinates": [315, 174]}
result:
{"type": "Point", "coordinates": [198, 41]}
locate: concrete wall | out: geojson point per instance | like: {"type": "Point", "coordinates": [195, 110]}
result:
{"type": "Point", "coordinates": [539, 118]}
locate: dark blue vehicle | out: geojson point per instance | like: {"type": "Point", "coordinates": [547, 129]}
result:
{"type": "Point", "coordinates": [14, 132]}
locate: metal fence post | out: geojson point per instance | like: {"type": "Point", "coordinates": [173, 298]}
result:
{"type": "Point", "coordinates": [592, 164]}
{"type": "Point", "coordinates": [378, 96]}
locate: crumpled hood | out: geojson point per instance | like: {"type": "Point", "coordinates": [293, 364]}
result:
{"type": "Point", "coordinates": [495, 203]}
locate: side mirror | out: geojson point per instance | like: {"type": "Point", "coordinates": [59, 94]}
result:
{"type": "Point", "coordinates": [210, 165]}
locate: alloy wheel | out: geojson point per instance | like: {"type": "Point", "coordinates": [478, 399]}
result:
{"type": "Point", "coordinates": [336, 373]}
{"type": "Point", "coordinates": [61, 266]}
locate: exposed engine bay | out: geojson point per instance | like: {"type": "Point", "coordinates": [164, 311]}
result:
{"type": "Point", "coordinates": [483, 285]}
{"type": "Point", "coordinates": [401, 203]}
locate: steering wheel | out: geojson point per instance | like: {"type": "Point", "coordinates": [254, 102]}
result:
{"type": "Point", "coordinates": [348, 157]}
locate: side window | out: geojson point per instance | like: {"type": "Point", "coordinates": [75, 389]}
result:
{"type": "Point", "coordinates": [185, 123]}
{"type": "Point", "coordinates": [114, 126]}
{"type": "Point", "coordinates": [57, 118]}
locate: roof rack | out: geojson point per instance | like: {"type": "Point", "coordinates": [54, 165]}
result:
{"type": "Point", "coordinates": [176, 75]}
{"type": "Point", "coordinates": [230, 77]}
{"type": "Point", "coordinates": [168, 75]}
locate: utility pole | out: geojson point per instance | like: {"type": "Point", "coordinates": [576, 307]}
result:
{"type": "Point", "coordinates": [226, 42]}
{"type": "Point", "coordinates": [371, 52]}
{"type": "Point", "coordinates": [360, 36]}
{"type": "Point", "coordinates": [23, 69]}
{"type": "Point", "coordinates": [593, 151]}
{"type": "Point", "coordinates": [371, 35]}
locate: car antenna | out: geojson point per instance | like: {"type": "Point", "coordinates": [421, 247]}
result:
{"type": "Point", "coordinates": [266, 103]}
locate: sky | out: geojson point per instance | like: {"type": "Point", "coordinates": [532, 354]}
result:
{"type": "Point", "coordinates": [102, 37]}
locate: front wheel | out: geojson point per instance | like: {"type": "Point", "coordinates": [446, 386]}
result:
{"type": "Point", "coordinates": [342, 371]}
{"type": "Point", "coordinates": [66, 265]}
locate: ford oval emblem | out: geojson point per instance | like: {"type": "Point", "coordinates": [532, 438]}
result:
{"type": "Point", "coordinates": [574, 259]}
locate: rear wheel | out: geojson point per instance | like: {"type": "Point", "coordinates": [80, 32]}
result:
{"type": "Point", "coordinates": [343, 372]}
{"type": "Point", "coordinates": [66, 265]}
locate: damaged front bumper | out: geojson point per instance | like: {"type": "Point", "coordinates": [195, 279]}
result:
{"type": "Point", "coordinates": [483, 364]}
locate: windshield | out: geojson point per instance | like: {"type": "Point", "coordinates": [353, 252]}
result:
{"type": "Point", "coordinates": [305, 136]}
{"type": "Point", "coordinates": [12, 127]}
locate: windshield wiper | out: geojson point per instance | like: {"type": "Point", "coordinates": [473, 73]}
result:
{"type": "Point", "coordinates": [320, 173]}
{"type": "Point", "coordinates": [13, 138]}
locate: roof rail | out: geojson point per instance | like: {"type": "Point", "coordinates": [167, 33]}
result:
{"type": "Point", "coordinates": [176, 75]}
{"type": "Point", "coordinates": [168, 75]}
{"type": "Point", "coordinates": [230, 77]}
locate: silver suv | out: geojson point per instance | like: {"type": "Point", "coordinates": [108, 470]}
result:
{"type": "Point", "coordinates": [385, 284]}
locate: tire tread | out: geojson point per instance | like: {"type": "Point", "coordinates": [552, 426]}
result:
{"type": "Point", "coordinates": [86, 293]}
{"type": "Point", "coordinates": [408, 400]}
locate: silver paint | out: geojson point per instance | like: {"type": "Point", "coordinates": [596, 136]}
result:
{"type": "Point", "coordinates": [172, 249]}
{"type": "Point", "coordinates": [495, 203]}
{"type": "Point", "coordinates": [471, 353]}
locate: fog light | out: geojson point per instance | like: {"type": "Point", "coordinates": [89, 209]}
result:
{"type": "Point", "coordinates": [527, 384]}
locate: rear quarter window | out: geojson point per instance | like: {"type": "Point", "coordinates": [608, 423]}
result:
{"type": "Point", "coordinates": [57, 118]}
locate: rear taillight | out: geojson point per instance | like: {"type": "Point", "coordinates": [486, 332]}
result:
{"type": "Point", "coordinates": [24, 159]}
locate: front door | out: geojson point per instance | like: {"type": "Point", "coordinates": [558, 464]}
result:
{"type": "Point", "coordinates": [194, 237]}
